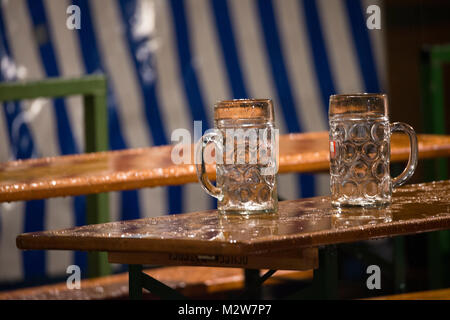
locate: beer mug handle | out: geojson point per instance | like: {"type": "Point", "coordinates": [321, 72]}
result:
{"type": "Point", "coordinates": [413, 154]}
{"type": "Point", "coordinates": [206, 184]}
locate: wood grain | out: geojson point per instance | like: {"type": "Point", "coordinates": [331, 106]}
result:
{"type": "Point", "coordinates": [297, 259]}
{"type": "Point", "coordinates": [299, 223]}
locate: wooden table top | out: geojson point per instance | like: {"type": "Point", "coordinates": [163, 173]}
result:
{"type": "Point", "coordinates": [298, 224]}
{"type": "Point", "coordinates": [150, 167]}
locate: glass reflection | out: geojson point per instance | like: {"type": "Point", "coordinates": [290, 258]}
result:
{"type": "Point", "coordinates": [342, 218]}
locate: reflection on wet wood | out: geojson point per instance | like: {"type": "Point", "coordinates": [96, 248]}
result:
{"type": "Point", "coordinates": [151, 167]}
{"type": "Point", "coordinates": [299, 223]}
{"type": "Point", "coordinates": [297, 259]}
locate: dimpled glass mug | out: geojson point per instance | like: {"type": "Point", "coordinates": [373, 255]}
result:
{"type": "Point", "coordinates": [360, 135]}
{"type": "Point", "coordinates": [246, 150]}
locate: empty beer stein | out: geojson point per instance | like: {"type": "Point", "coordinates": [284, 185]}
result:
{"type": "Point", "coordinates": [360, 135]}
{"type": "Point", "coordinates": [246, 149]}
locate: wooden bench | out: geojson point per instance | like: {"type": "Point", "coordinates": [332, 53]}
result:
{"type": "Point", "coordinates": [193, 282]}
{"type": "Point", "coordinates": [441, 294]}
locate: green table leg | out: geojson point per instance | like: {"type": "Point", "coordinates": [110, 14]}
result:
{"type": "Point", "coordinates": [94, 91]}
{"type": "Point", "coordinates": [97, 205]}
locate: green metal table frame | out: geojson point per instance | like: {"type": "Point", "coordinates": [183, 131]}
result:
{"type": "Point", "coordinates": [433, 60]}
{"type": "Point", "coordinates": [94, 92]}
{"type": "Point", "coordinates": [324, 285]}
{"type": "Point", "coordinates": [139, 280]}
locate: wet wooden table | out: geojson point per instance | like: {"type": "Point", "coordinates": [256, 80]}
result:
{"type": "Point", "coordinates": [150, 167]}
{"type": "Point", "coordinates": [287, 240]}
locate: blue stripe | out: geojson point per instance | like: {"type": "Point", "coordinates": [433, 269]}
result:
{"type": "Point", "coordinates": [66, 140]}
{"type": "Point", "coordinates": [129, 199]}
{"type": "Point", "coordinates": [23, 147]}
{"type": "Point", "coordinates": [319, 52]}
{"type": "Point", "coordinates": [21, 141]}
{"type": "Point", "coordinates": [188, 72]}
{"type": "Point", "coordinates": [363, 45]}
{"type": "Point", "coordinates": [34, 260]}
{"type": "Point", "coordinates": [34, 263]}
{"type": "Point", "coordinates": [88, 42]}
{"type": "Point", "coordinates": [144, 64]}
{"type": "Point", "coordinates": [146, 71]}
{"type": "Point", "coordinates": [281, 80]}
{"type": "Point", "coordinates": [228, 45]}
{"type": "Point", "coordinates": [278, 67]}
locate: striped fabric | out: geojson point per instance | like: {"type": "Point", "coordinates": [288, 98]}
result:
{"type": "Point", "coordinates": [168, 62]}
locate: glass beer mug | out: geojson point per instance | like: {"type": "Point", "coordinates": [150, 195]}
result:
{"type": "Point", "coordinates": [360, 135]}
{"type": "Point", "coordinates": [246, 150]}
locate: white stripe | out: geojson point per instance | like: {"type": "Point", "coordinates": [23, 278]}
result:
{"type": "Point", "coordinates": [5, 150]}
{"type": "Point", "coordinates": [25, 52]}
{"type": "Point", "coordinates": [207, 52]}
{"type": "Point", "coordinates": [288, 186]}
{"type": "Point", "coordinates": [154, 201]}
{"type": "Point", "coordinates": [253, 54]}
{"type": "Point", "coordinates": [11, 224]}
{"type": "Point", "coordinates": [299, 67]}
{"type": "Point", "coordinates": [11, 217]}
{"type": "Point", "coordinates": [67, 48]}
{"type": "Point", "coordinates": [114, 205]}
{"type": "Point", "coordinates": [125, 83]}
{"type": "Point", "coordinates": [212, 77]}
{"type": "Point", "coordinates": [68, 53]}
{"type": "Point", "coordinates": [195, 198]}
{"type": "Point", "coordinates": [377, 38]}
{"type": "Point", "coordinates": [340, 46]}
{"type": "Point", "coordinates": [69, 59]}
{"type": "Point", "coordinates": [173, 103]}
{"type": "Point", "coordinates": [115, 53]}
{"type": "Point", "coordinates": [298, 57]}
{"type": "Point", "coordinates": [322, 184]}
{"type": "Point", "coordinates": [256, 72]}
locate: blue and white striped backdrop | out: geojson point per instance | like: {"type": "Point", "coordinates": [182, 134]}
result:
{"type": "Point", "coordinates": [167, 62]}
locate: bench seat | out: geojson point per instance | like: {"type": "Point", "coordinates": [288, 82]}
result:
{"type": "Point", "coordinates": [193, 282]}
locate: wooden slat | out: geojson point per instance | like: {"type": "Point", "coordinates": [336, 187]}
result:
{"type": "Point", "coordinates": [298, 259]}
{"type": "Point", "coordinates": [151, 167]}
{"type": "Point", "coordinates": [299, 223]}
{"type": "Point", "coordinates": [189, 281]}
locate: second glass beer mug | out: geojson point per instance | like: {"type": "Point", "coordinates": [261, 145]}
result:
{"type": "Point", "coordinates": [246, 150]}
{"type": "Point", "coordinates": [360, 135]}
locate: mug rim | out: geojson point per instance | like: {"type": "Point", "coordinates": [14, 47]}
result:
{"type": "Point", "coordinates": [237, 102]}
{"type": "Point", "coordinates": [358, 95]}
